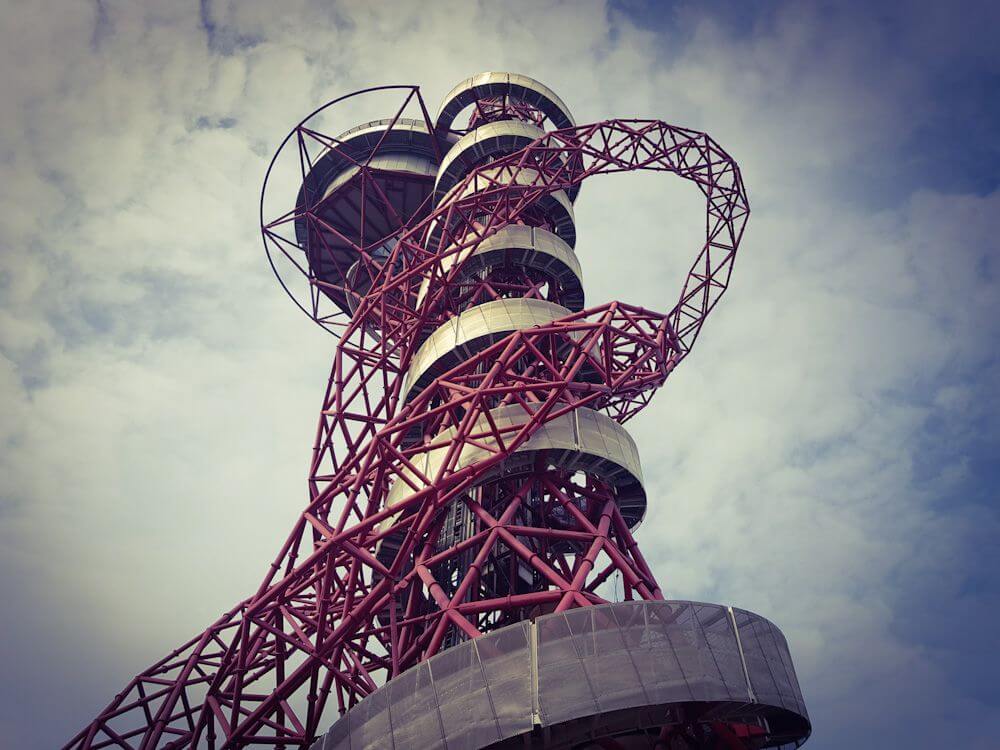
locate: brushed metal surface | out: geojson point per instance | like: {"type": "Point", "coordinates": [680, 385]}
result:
{"type": "Point", "coordinates": [492, 84]}
{"type": "Point", "coordinates": [619, 670]}
{"type": "Point", "coordinates": [530, 247]}
{"type": "Point", "coordinates": [472, 331]}
{"type": "Point", "coordinates": [485, 143]}
{"type": "Point", "coordinates": [582, 440]}
{"type": "Point", "coordinates": [554, 207]}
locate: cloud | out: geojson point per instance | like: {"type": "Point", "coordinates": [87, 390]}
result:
{"type": "Point", "coordinates": [822, 458]}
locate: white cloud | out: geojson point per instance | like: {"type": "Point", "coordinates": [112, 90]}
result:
{"type": "Point", "coordinates": [160, 393]}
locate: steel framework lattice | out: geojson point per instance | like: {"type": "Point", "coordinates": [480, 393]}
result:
{"type": "Point", "coordinates": [469, 470]}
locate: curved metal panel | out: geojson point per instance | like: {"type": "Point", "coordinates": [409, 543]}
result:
{"type": "Point", "coordinates": [610, 670]}
{"type": "Point", "coordinates": [407, 149]}
{"type": "Point", "coordinates": [556, 206]}
{"type": "Point", "coordinates": [407, 136]}
{"type": "Point", "coordinates": [513, 85]}
{"type": "Point", "coordinates": [413, 164]}
{"type": "Point", "coordinates": [487, 142]}
{"type": "Point", "coordinates": [582, 440]}
{"type": "Point", "coordinates": [530, 247]}
{"type": "Point", "coordinates": [470, 332]}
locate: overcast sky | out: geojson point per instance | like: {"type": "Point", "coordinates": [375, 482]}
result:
{"type": "Point", "coordinates": [826, 457]}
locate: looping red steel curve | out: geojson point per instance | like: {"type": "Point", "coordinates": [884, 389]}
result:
{"type": "Point", "coordinates": [374, 576]}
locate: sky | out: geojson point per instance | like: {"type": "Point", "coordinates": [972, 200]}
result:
{"type": "Point", "coordinates": [826, 457]}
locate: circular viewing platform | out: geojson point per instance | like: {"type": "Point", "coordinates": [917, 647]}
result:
{"type": "Point", "coordinates": [626, 672]}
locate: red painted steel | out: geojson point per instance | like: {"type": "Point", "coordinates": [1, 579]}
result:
{"type": "Point", "coordinates": [335, 616]}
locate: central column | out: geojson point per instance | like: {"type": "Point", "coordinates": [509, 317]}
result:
{"type": "Point", "coordinates": [533, 537]}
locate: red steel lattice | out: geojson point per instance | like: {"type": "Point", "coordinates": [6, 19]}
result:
{"type": "Point", "coordinates": [362, 589]}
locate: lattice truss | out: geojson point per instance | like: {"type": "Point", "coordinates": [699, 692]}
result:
{"type": "Point", "coordinates": [444, 506]}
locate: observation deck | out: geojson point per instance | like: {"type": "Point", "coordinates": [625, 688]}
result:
{"type": "Point", "coordinates": [629, 673]}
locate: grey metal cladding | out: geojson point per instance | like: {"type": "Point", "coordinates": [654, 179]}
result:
{"type": "Point", "coordinates": [475, 329]}
{"type": "Point", "coordinates": [406, 136]}
{"type": "Point", "coordinates": [527, 246]}
{"type": "Point", "coordinates": [634, 659]}
{"type": "Point", "coordinates": [485, 143]}
{"type": "Point", "coordinates": [514, 85]}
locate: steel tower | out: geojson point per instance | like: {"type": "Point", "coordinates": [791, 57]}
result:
{"type": "Point", "coordinates": [473, 492]}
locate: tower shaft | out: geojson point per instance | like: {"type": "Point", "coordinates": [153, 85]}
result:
{"type": "Point", "coordinates": [465, 572]}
